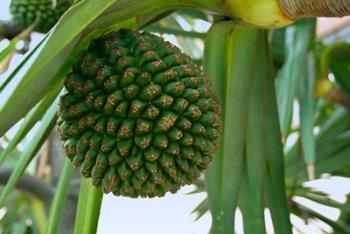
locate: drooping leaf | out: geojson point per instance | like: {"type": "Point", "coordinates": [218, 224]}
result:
{"type": "Point", "coordinates": [29, 121]}
{"type": "Point", "coordinates": [61, 194]}
{"type": "Point", "coordinates": [201, 209]}
{"type": "Point", "coordinates": [298, 39]}
{"type": "Point", "coordinates": [306, 103]}
{"type": "Point", "coordinates": [275, 182]}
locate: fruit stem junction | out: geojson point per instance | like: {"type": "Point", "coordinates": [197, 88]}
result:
{"type": "Point", "coordinates": [296, 9]}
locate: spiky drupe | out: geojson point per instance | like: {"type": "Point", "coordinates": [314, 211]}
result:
{"type": "Point", "coordinates": [25, 12]}
{"type": "Point", "coordinates": [139, 117]}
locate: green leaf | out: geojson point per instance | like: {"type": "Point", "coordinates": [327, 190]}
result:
{"type": "Point", "coordinates": [237, 86]}
{"type": "Point", "coordinates": [14, 207]}
{"type": "Point", "coordinates": [29, 121]}
{"type": "Point", "coordinates": [20, 66]}
{"type": "Point", "coordinates": [255, 171]}
{"type": "Point", "coordinates": [46, 126]}
{"type": "Point", "coordinates": [196, 190]}
{"type": "Point", "coordinates": [306, 103]}
{"type": "Point", "coordinates": [298, 39]}
{"type": "Point", "coordinates": [333, 163]}
{"type": "Point", "coordinates": [60, 197]}
{"type": "Point", "coordinates": [39, 214]}
{"type": "Point", "coordinates": [275, 184]}
{"type": "Point", "coordinates": [332, 146]}
{"type": "Point", "coordinates": [19, 227]}
{"type": "Point", "coordinates": [201, 209]}
{"type": "Point", "coordinates": [335, 125]}
{"type": "Point", "coordinates": [6, 55]}
{"type": "Point", "coordinates": [324, 200]}
{"type": "Point", "coordinates": [251, 224]}
{"type": "Point", "coordinates": [88, 210]}
{"type": "Point", "coordinates": [216, 71]}
{"type": "Point", "coordinates": [223, 177]}
{"type": "Point", "coordinates": [278, 45]}
{"type": "Point", "coordinates": [244, 83]}
{"type": "Point", "coordinates": [338, 226]}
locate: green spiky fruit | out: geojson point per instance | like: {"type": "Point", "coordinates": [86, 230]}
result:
{"type": "Point", "coordinates": [139, 117]}
{"type": "Point", "coordinates": [25, 12]}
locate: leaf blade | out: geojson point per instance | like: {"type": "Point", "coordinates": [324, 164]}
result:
{"type": "Point", "coordinates": [61, 194]}
{"type": "Point", "coordinates": [47, 124]}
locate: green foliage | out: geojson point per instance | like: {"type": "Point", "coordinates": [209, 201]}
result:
{"type": "Point", "coordinates": [248, 170]}
{"type": "Point", "coordinates": [60, 197]}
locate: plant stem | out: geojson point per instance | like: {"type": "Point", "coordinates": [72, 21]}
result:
{"type": "Point", "coordinates": [9, 30]}
{"type": "Point", "coordinates": [60, 197]}
{"type": "Point", "coordinates": [88, 211]}
{"type": "Point", "coordinates": [296, 9]}
{"type": "Point", "coordinates": [30, 184]}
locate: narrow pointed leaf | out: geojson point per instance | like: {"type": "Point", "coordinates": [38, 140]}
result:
{"type": "Point", "coordinates": [20, 66]}
{"type": "Point", "coordinates": [276, 190]}
{"type": "Point", "coordinates": [306, 103]}
{"type": "Point", "coordinates": [298, 38]}
{"type": "Point", "coordinates": [29, 121]}
{"type": "Point", "coordinates": [60, 197]}
{"type": "Point", "coordinates": [215, 69]}
{"type": "Point", "coordinates": [46, 126]}
{"type": "Point", "coordinates": [201, 209]}
{"type": "Point", "coordinates": [255, 172]}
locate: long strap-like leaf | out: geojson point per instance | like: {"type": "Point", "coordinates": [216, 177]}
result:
{"type": "Point", "coordinates": [250, 157]}
{"type": "Point", "coordinates": [275, 183]}
{"type": "Point", "coordinates": [29, 121]}
{"type": "Point", "coordinates": [60, 197]}
{"type": "Point", "coordinates": [46, 126]}
{"type": "Point", "coordinates": [215, 68]}
{"type": "Point", "coordinates": [255, 173]}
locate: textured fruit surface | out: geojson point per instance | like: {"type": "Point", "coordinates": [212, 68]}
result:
{"type": "Point", "coordinates": [25, 12]}
{"type": "Point", "coordinates": [139, 117]}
